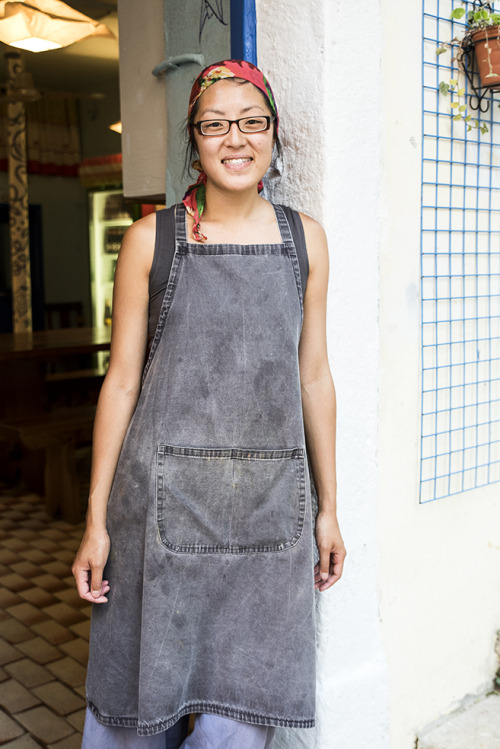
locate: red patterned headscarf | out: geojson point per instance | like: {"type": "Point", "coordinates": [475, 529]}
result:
{"type": "Point", "coordinates": [194, 199]}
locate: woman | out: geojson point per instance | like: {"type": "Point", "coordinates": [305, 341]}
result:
{"type": "Point", "coordinates": [211, 568]}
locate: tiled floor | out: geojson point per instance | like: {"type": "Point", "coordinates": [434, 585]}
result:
{"type": "Point", "coordinates": [44, 628]}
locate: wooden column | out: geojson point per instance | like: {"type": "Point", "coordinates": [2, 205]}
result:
{"type": "Point", "coordinates": [18, 204]}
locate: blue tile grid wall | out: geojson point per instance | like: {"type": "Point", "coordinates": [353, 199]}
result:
{"type": "Point", "coordinates": [460, 287]}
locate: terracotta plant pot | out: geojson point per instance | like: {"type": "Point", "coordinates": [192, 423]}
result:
{"type": "Point", "coordinates": [487, 49]}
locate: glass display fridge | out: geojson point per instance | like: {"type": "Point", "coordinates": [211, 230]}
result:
{"type": "Point", "coordinates": [110, 216]}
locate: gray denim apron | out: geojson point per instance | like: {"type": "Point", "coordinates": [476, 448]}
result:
{"type": "Point", "coordinates": [211, 608]}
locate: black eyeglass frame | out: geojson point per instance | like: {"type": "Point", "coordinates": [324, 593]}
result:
{"type": "Point", "coordinates": [268, 118]}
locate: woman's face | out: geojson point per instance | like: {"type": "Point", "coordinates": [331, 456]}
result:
{"type": "Point", "coordinates": [236, 161]}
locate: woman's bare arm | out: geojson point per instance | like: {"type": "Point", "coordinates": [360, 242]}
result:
{"type": "Point", "coordinates": [117, 399]}
{"type": "Point", "coordinates": [319, 407]}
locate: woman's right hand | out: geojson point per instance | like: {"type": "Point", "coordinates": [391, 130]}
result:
{"type": "Point", "coordinates": [89, 564]}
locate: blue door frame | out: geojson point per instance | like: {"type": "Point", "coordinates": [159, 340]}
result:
{"type": "Point", "coordinates": [244, 30]}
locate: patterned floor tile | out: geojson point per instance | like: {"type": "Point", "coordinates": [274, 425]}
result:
{"type": "Point", "coordinates": [35, 555]}
{"type": "Point", "coordinates": [9, 729]}
{"type": "Point", "coordinates": [60, 698]}
{"type": "Point", "coordinates": [27, 613]}
{"type": "Point", "coordinates": [48, 582]}
{"type": "Point", "coordinates": [40, 650]}
{"type": "Point", "coordinates": [82, 629]}
{"type": "Point", "coordinates": [53, 631]}
{"type": "Point", "coordinates": [72, 742]}
{"type": "Point", "coordinates": [38, 597]}
{"type": "Point", "coordinates": [23, 742]}
{"type": "Point", "coordinates": [64, 614]}
{"type": "Point", "coordinates": [15, 582]}
{"type": "Point", "coordinates": [42, 683]}
{"type": "Point", "coordinates": [77, 719]}
{"type": "Point", "coordinates": [8, 556]}
{"type": "Point", "coordinates": [71, 597]}
{"type": "Point", "coordinates": [13, 631]}
{"type": "Point", "coordinates": [77, 649]}
{"type": "Point", "coordinates": [8, 653]}
{"type": "Point", "coordinates": [25, 568]}
{"type": "Point", "coordinates": [13, 543]}
{"type": "Point", "coordinates": [67, 670]}
{"type": "Point", "coordinates": [45, 724]}
{"type": "Point", "coordinates": [8, 597]}
{"type": "Point", "coordinates": [14, 697]}
{"type": "Point", "coordinates": [28, 673]}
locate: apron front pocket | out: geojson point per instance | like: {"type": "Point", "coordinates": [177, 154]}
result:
{"type": "Point", "coordinates": [229, 500]}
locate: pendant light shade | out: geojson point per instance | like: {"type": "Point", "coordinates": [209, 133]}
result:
{"type": "Point", "coordinates": [41, 25]}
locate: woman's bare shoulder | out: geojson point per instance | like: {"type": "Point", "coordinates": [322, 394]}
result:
{"type": "Point", "coordinates": [311, 226]}
{"type": "Point", "coordinates": [316, 243]}
{"type": "Point", "coordinates": [143, 229]}
{"type": "Point", "coordinates": [139, 243]}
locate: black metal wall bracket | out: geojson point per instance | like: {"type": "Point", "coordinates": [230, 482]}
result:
{"type": "Point", "coordinates": [477, 99]}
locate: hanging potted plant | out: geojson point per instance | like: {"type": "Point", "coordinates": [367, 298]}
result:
{"type": "Point", "coordinates": [482, 41]}
{"type": "Point", "coordinates": [484, 36]}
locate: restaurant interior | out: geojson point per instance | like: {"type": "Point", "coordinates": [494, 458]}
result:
{"type": "Point", "coordinates": [50, 374]}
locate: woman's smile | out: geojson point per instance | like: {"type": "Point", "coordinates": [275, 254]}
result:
{"type": "Point", "coordinates": [237, 162]}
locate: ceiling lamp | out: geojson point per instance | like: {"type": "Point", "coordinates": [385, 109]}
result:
{"type": "Point", "coordinates": [116, 126]}
{"type": "Point", "coordinates": [42, 25]}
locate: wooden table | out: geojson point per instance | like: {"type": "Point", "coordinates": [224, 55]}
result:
{"type": "Point", "coordinates": [49, 344]}
{"type": "Point", "coordinates": [24, 410]}
{"type": "Point", "coordinates": [23, 358]}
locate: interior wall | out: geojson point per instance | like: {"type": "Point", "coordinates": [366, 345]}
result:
{"type": "Point", "coordinates": [64, 205]}
{"type": "Point", "coordinates": [64, 236]}
{"type": "Point", "coordinates": [330, 129]}
{"type": "Point", "coordinates": [440, 561]}
{"type": "Point", "coordinates": [96, 115]}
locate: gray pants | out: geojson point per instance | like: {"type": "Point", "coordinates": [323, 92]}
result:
{"type": "Point", "coordinates": [210, 732]}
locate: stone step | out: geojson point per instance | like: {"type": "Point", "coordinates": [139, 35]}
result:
{"type": "Point", "coordinates": [475, 727]}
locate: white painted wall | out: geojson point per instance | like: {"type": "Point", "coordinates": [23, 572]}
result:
{"type": "Point", "coordinates": [439, 563]}
{"type": "Point", "coordinates": [331, 135]}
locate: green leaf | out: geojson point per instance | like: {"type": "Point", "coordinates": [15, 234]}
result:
{"type": "Point", "coordinates": [454, 104]}
{"type": "Point", "coordinates": [469, 117]}
{"type": "Point", "coordinates": [441, 50]}
{"type": "Point", "coordinates": [462, 108]}
{"type": "Point", "coordinates": [495, 17]}
{"type": "Point", "coordinates": [458, 13]}
{"type": "Point", "coordinates": [469, 128]}
{"type": "Point", "coordinates": [453, 82]}
{"type": "Point", "coordinates": [444, 88]}
{"type": "Point", "coordinates": [457, 117]}
{"type": "Point", "coordinates": [461, 91]}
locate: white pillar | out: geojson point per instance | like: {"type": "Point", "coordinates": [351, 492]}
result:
{"type": "Point", "coordinates": [324, 66]}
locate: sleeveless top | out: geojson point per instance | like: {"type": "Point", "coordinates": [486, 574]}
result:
{"type": "Point", "coordinates": [165, 248]}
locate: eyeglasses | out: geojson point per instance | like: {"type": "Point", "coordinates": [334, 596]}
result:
{"type": "Point", "coordinates": [245, 125]}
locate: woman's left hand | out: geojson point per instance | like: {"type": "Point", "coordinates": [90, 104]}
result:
{"type": "Point", "coordinates": [331, 551]}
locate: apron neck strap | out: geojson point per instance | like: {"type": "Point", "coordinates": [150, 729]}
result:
{"type": "Point", "coordinates": [180, 223]}
{"type": "Point", "coordinates": [286, 234]}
